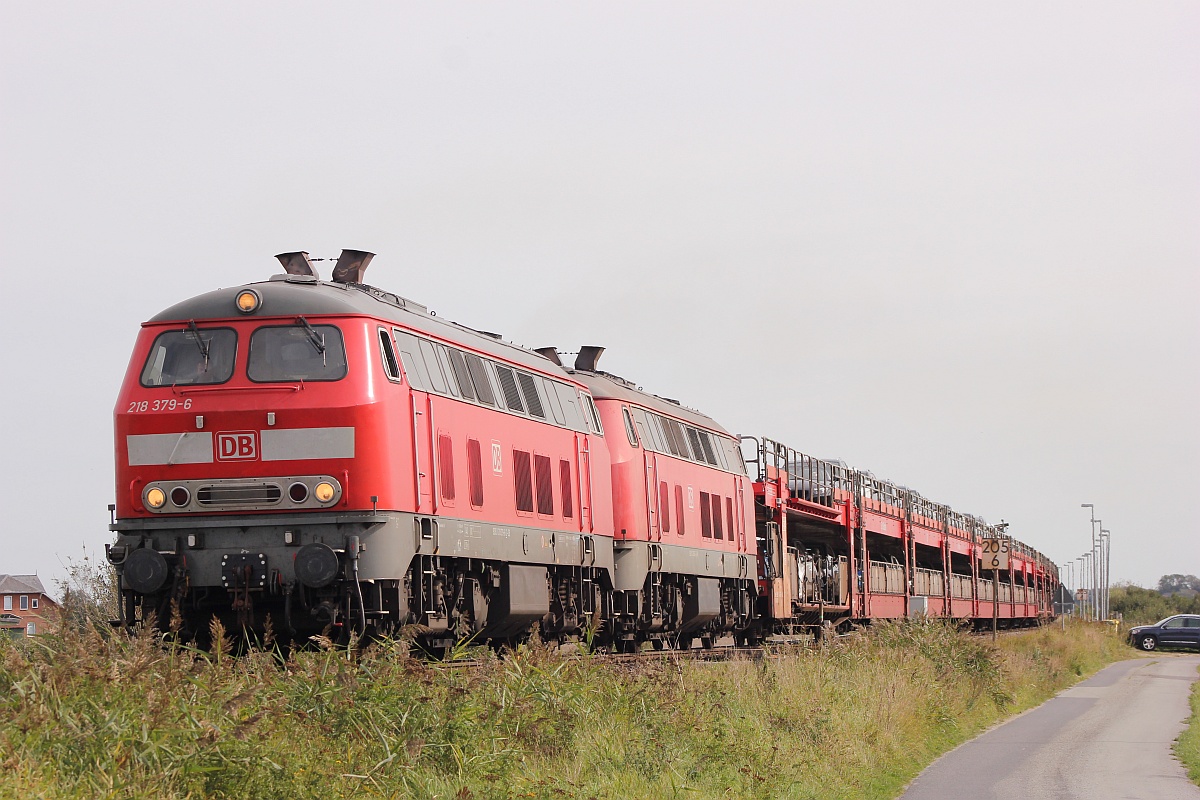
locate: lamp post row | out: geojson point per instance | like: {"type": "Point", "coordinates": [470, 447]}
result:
{"type": "Point", "coordinates": [1092, 572]}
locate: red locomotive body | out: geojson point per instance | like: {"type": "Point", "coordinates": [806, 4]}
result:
{"type": "Point", "coordinates": [329, 454]}
{"type": "Point", "coordinates": [311, 456]}
{"type": "Point", "coordinates": [229, 427]}
{"type": "Point", "coordinates": [683, 526]}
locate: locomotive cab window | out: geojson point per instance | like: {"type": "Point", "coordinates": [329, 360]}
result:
{"type": "Point", "coordinates": [299, 352]}
{"type": "Point", "coordinates": [629, 431]}
{"type": "Point", "coordinates": [593, 415]}
{"type": "Point", "coordinates": [390, 366]}
{"type": "Point", "coordinates": [190, 357]}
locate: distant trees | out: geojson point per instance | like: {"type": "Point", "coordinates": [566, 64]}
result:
{"type": "Point", "coordinates": [1176, 584]}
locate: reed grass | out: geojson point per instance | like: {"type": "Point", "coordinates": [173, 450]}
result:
{"type": "Point", "coordinates": [1187, 746]}
{"type": "Point", "coordinates": [86, 714]}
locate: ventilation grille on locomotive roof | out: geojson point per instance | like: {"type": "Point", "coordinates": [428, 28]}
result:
{"type": "Point", "coordinates": [239, 494]}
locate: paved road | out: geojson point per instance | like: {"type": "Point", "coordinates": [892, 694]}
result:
{"type": "Point", "coordinates": [1107, 738]}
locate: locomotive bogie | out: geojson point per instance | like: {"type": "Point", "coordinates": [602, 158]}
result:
{"type": "Point", "coordinates": [671, 610]}
{"type": "Point", "coordinates": [259, 565]}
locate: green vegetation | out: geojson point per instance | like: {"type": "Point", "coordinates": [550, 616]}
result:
{"type": "Point", "coordinates": [85, 714]}
{"type": "Point", "coordinates": [1138, 606]}
{"type": "Point", "coordinates": [1187, 746]}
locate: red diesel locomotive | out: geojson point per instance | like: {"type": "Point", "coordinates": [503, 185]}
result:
{"type": "Point", "coordinates": [327, 456]}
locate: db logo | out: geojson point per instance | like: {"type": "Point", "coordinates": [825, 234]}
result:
{"type": "Point", "coordinates": [237, 446]}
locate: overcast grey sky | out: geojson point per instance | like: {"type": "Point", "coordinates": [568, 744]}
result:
{"type": "Point", "coordinates": [952, 243]}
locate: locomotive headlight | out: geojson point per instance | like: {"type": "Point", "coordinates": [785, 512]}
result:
{"type": "Point", "coordinates": [248, 301]}
{"type": "Point", "coordinates": [155, 497]}
{"type": "Point", "coordinates": [324, 491]}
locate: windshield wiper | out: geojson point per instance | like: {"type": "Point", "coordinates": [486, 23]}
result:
{"type": "Point", "coordinates": [203, 345]}
{"type": "Point", "coordinates": [316, 339]}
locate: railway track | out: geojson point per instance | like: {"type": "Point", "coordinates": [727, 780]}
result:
{"type": "Point", "coordinates": [775, 648]}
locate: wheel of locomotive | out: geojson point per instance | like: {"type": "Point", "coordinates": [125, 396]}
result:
{"type": "Point", "coordinates": [434, 652]}
{"type": "Point", "coordinates": [707, 642]}
{"type": "Point", "coordinates": [502, 644]}
{"type": "Point", "coordinates": [746, 640]}
{"type": "Point", "coordinates": [657, 644]}
{"type": "Point", "coordinates": [684, 643]}
{"type": "Point", "coordinates": [1148, 643]}
{"type": "Point", "coordinates": [626, 645]}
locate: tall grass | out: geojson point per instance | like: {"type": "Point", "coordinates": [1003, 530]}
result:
{"type": "Point", "coordinates": [1187, 746]}
{"type": "Point", "coordinates": [87, 715]}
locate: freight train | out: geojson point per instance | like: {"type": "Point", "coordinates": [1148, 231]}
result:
{"type": "Point", "coordinates": [308, 456]}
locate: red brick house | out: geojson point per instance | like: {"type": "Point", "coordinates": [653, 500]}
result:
{"type": "Point", "coordinates": [25, 608]}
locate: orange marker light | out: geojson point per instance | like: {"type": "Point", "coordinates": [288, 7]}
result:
{"type": "Point", "coordinates": [248, 301]}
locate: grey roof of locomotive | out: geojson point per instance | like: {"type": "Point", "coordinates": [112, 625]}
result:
{"type": "Point", "coordinates": [290, 296]}
{"type": "Point", "coordinates": [606, 386]}
{"type": "Point", "coordinates": [285, 296]}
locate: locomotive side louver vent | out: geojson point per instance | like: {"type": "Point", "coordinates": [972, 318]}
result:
{"type": "Point", "coordinates": [239, 494]}
{"type": "Point", "coordinates": [529, 389]}
{"type": "Point", "coordinates": [508, 383]}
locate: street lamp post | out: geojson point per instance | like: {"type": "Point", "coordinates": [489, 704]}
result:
{"type": "Point", "coordinates": [1071, 582]}
{"type": "Point", "coordinates": [1090, 603]}
{"type": "Point", "coordinates": [1097, 567]}
{"type": "Point", "coordinates": [1105, 552]}
{"type": "Point", "coordinates": [1094, 576]}
{"type": "Point", "coordinates": [1079, 580]}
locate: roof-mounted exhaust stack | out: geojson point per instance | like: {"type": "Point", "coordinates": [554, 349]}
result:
{"type": "Point", "coordinates": [351, 266]}
{"type": "Point", "coordinates": [297, 264]}
{"type": "Point", "coordinates": [587, 358]}
{"type": "Point", "coordinates": [550, 353]}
